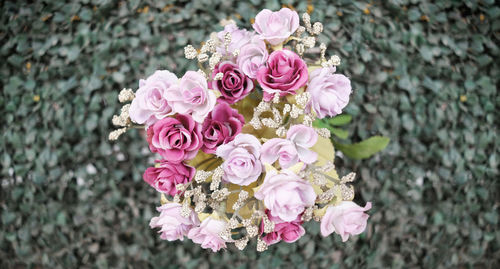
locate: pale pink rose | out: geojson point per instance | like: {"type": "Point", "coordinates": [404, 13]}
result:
{"type": "Point", "coordinates": [293, 149]}
{"type": "Point", "coordinates": [192, 96]}
{"type": "Point", "coordinates": [239, 37]}
{"type": "Point", "coordinates": [241, 160]}
{"type": "Point", "coordinates": [289, 231]}
{"type": "Point", "coordinates": [173, 226]}
{"type": "Point", "coordinates": [150, 103]}
{"type": "Point", "coordinates": [284, 73]}
{"type": "Point", "coordinates": [286, 195]}
{"type": "Point", "coordinates": [208, 234]}
{"type": "Point", "coordinates": [252, 57]}
{"type": "Point", "coordinates": [345, 219]}
{"type": "Point", "coordinates": [329, 92]}
{"type": "Point", "coordinates": [276, 27]}
{"type": "Point", "coordinates": [279, 149]}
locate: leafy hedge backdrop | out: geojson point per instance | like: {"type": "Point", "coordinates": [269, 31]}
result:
{"type": "Point", "coordinates": [424, 74]}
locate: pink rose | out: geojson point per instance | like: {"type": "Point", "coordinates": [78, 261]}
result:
{"type": "Point", "coordinates": [172, 224]}
{"type": "Point", "coordinates": [293, 149]}
{"type": "Point", "coordinates": [287, 231]}
{"type": "Point", "coordinates": [252, 57]}
{"type": "Point", "coordinates": [220, 127]}
{"type": "Point", "coordinates": [234, 85]}
{"type": "Point", "coordinates": [276, 27]}
{"type": "Point", "coordinates": [192, 96]}
{"type": "Point", "coordinates": [239, 37]}
{"type": "Point", "coordinates": [329, 92]}
{"type": "Point", "coordinates": [150, 103]}
{"type": "Point", "coordinates": [285, 73]}
{"type": "Point", "coordinates": [175, 139]}
{"type": "Point", "coordinates": [345, 219]}
{"type": "Point", "coordinates": [207, 234]}
{"type": "Point", "coordinates": [165, 177]}
{"type": "Point", "coordinates": [286, 195]}
{"type": "Point", "coordinates": [241, 160]}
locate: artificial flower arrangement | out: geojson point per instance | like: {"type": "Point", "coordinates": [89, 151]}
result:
{"type": "Point", "coordinates": [240, 157]}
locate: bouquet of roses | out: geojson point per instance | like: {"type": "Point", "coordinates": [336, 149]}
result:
{"type": "Point", "coordinates": [240, 157]}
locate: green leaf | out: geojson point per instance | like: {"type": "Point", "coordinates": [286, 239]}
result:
{"type": "Point", "coordinates": [319, 123]}
{"type": "Point", "coordinates": [340, 120]}
{"type": "Point", "coordinates": [363, 149]}
{"type": "Point", "coordinates": [340, 133]}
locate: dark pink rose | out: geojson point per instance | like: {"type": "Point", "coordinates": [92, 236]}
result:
{"type": "Point", "coordinates": [285, 73]}
{"type": "Point", "coordinates": [220, 127]}
{"type": "Point", "coordinates": [234, 85]}
{"type": "Point", "coordinates": [167, 175]}
{"type": "Point", "coordinates": [289, 231]}
{"type": "Point", "coordinates": [175, 139]}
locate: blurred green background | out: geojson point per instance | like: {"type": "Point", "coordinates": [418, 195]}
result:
{"type": "Point", "coordinates": [424, 74]}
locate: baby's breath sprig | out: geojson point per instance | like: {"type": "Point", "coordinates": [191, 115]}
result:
{"type": "Point", "coordinates": [123, 119]}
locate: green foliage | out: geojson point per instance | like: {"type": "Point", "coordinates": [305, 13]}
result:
{"type": "Point", "coordinates": [340, 120]}
{"type": "Point", "coordinates": [363, 149]}
{"type": "Point", "coordinates": [423, 73]}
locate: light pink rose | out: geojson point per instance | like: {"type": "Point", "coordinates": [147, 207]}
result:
{"type": "Point", "coordinates": [276, 27]}
{"type": "Point", "coordinates": [287, 231]}
{"type": "Point", "coordinates": [173, 226]}
{"type": "Point", "coordinates": [286, 195]}
{"type": "Point", "coordinates": [252, 57]}
{"type": "Point", "coordinates": [207, 234]}
{"type": "Point", "coordinates": [239, 37]}
{"type": "Point", "coordinates": [284, 73]}
{"type": "Point", "coordinates": [192, 96]}
{"type": "Point", "coordinates": [150, 103]}
{"type": "Point", "coordinates": [345, 219]}
{"type": "Point", "coordinates": [175, 139]}
{"type": "Point", "coordinates": [329, 92]}
{"type": "Point", "coordinates": [165, 177]}
{"type": "Point", "coordinates": [293, 149]}
{"type": "Point", "coordinates": [241, 160]}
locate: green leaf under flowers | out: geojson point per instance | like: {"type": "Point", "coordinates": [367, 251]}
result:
{"type": "Point", "coordinates": [340, 120]}
{"type": "Point", "coordinates": [320, 123]}
{"type": "Point", "coordinates": [363, 149]}
{"type": "Point", "coordinates": [340, 133]}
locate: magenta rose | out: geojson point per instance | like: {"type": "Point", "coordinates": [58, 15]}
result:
{"type": "Point", "coordinates": [167, 175]}
{"type": "Point", "coordinates": [285, 73]}
{"type": "Point", "coordinates": [150, 103]}
{"type": "Point", "coordinates": [289, 231]}
{"type": "Point", "coordinates": [286, 195]}
{"type": "Point", "coordinates": [220, 127]}
{"type": "Point", "coordinates": [276, 27]}
{"type": "Point", "coordinates": [208, 234]}
{"type": "Point", "coordinates": [329, 92]}
{"type": "Point", "coordinates": [175, 139]}
{"type": "Point", "coordinates": [173, 226]}
{"type": "Point", "coordinates": [234, 85]}
{"type": "Point", "coordinates": [345, 219]}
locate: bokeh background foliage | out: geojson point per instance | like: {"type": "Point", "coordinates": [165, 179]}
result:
{"type": "Point", "coordinates": [424, 74]}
